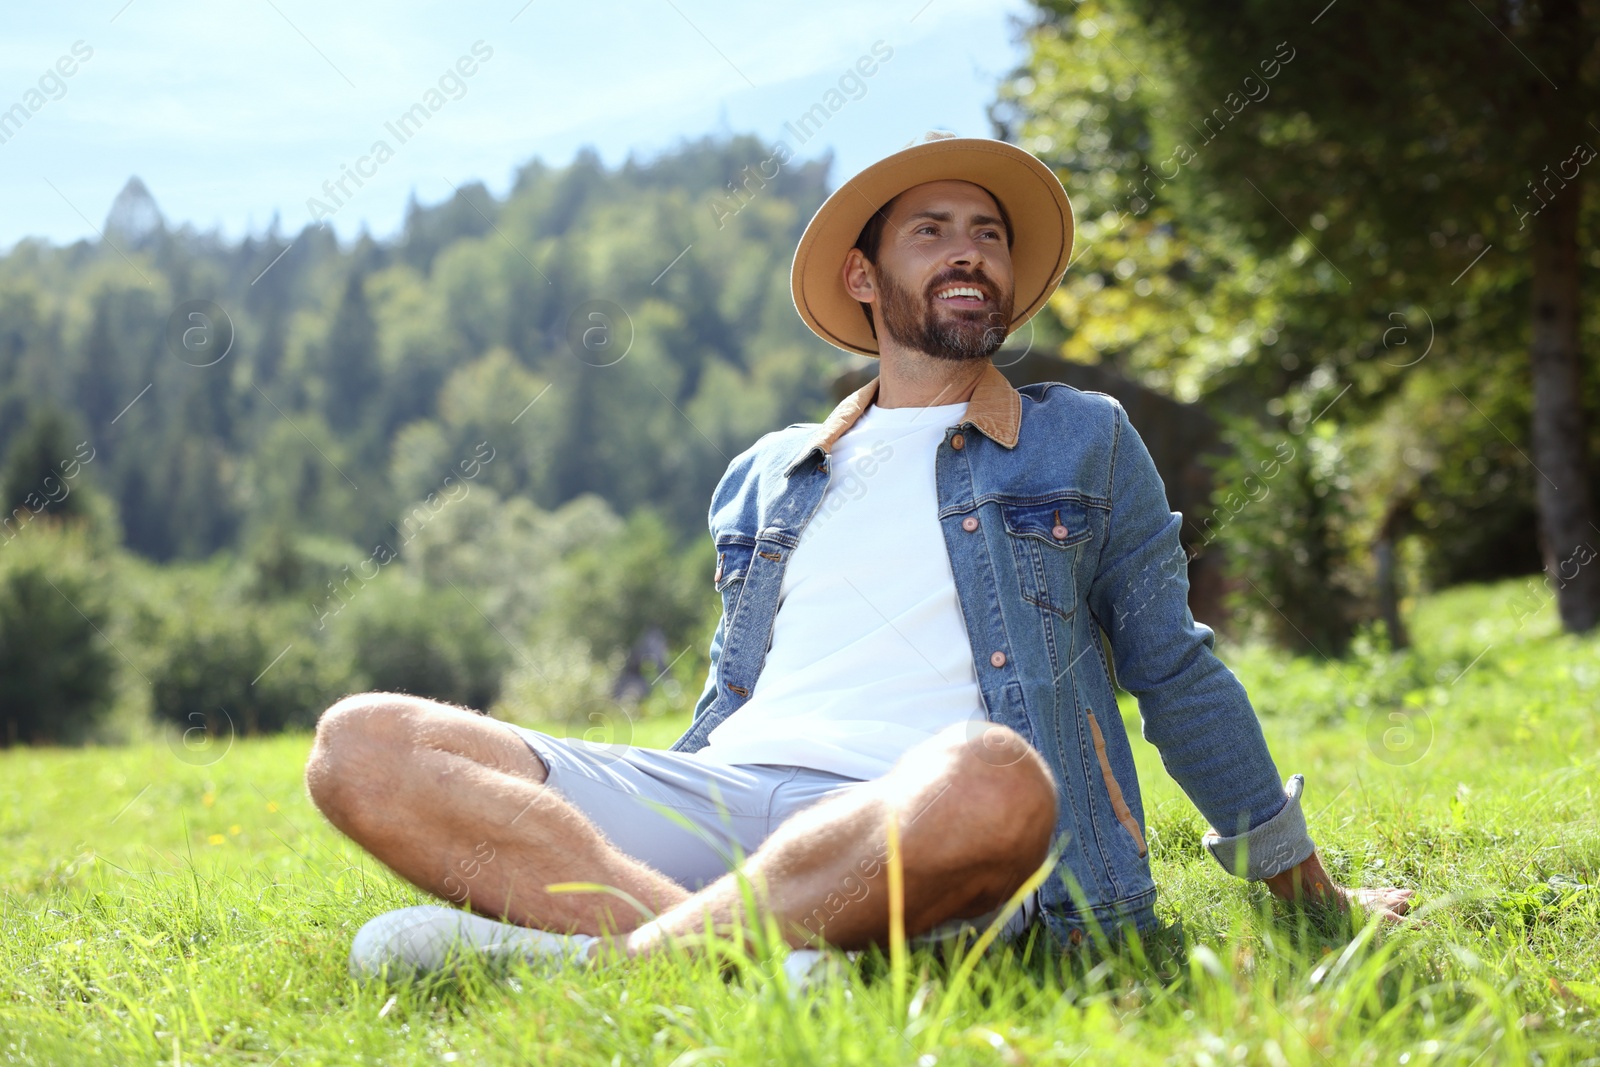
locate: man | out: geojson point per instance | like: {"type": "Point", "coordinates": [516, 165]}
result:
{"type": "Point", "coordinates": [913, 596]}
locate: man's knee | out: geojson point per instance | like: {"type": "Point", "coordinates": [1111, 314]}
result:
{"type": "Point", "coordinates": [1004, 791]}
{"type": "Point", "coordinates": [369, 746]}
{"type": "Point", "coordinates": [355, 739]}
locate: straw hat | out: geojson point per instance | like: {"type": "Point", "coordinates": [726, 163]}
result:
{"type": "Point", "coordinates": [1031, 194]}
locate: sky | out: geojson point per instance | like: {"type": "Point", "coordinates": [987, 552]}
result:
{"type": "Point", "coordinates": [232, 110]}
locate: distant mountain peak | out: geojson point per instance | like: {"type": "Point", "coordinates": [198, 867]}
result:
{"type": "Point", "coordinates": [134, 216]}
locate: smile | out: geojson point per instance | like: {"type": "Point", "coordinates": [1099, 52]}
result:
{"type": "Point", "coordinates": [963, 295]}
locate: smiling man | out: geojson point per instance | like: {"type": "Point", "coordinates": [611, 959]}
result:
{"type": "Point", "coordinates": [914, 593]}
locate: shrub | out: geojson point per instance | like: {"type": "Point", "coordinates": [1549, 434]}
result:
{"type": "Point", "coordinates": [562, 683]}
{"type": "Point", "coordinates": [40, 469]}
{"type": "Point", "coordinates": [233, 667]}
{"type": "Point", "coordinates": [404, 637]}
{"type": "Point", "coordinates": [281, 563]}
{"type": "Point", "coordinates": [57, 673]}
{"type": "Point", "coordinates": [1283, 517]}
{"type": "Point", "coordinates": [614, 591]}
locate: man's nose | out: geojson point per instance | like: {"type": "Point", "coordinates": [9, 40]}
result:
{"type": "Point", "coordinates": [965, 253]}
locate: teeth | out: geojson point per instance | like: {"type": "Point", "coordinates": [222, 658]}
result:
{"type": "Point", "coordinates": [964, 290]}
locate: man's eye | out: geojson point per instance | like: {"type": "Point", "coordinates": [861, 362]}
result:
{"type": "Point", "coordinates": [990, 234]}
{"type": "Point", "coordinates": [928, 228]}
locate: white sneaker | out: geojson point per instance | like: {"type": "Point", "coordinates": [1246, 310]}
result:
{"type": "Point", "coordinates": [804, 969]}
{"type": "Point", "coordinates": [429, 937]}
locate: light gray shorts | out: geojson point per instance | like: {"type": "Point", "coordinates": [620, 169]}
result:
{"type": "Point", "coordinates": [690, 819]}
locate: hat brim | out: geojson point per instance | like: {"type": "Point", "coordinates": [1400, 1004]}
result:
{"type": "Point", "coordinates": [1029, 191]}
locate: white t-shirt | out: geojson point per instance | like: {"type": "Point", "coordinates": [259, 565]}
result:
{"type": "Point", "coordinates": [869, 652]}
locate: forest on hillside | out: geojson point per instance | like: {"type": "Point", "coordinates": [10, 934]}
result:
{"type": "Point", "coordinates": [392, 460]}
{"type": "Point", "coordinates": [473, 460]}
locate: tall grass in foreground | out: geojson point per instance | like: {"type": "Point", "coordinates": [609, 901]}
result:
{"type": "Point", "coordinates": [155, 911]}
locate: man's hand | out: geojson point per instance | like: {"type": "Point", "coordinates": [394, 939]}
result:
{"type": "Point", "coordinates": [1309, 883]}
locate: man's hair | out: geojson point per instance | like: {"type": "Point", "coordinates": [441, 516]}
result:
{"type": "Point", "coordinates": [871, 237]}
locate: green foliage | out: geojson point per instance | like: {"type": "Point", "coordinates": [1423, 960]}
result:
{"type": "Point", "coordinates": [1432, 457]}
{"type": "Point", "coordinates": [360, 377]}
{"type": "Point", "coordinates": [1282, 516]}
{"type": "Point", "coordinates": [618, 588]}
{"type": "Point", "coordinates": [404, 637]}
{"type": "Point", "coordinates": [562, 681]}
{"type": "Point", "coordinates": [1256, 247]}
{"type": "Point", "coordinates": [228, 670]}
{"type": "Point", "coordinates": [1170, 296]}
{"type": "Point", "coordinates": [281, 563]}
{"type": "Point", "coordinates": [57, 673]}
{"type": "Point", "coordinates": [298, 479]}
{"type": "Point", "coordinates": [41, 472]}
{"type": "Point", "coordinates": [352, 364]}
{"type": "Point", "coordinates": [508, 553]}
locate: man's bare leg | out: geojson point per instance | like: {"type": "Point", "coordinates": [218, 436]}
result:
{"type": "Point", "coordinates": [456, 804]}
{"type": "Point", "coordinates": [975, 813]}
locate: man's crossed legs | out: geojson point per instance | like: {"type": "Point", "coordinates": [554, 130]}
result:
{"type": "Point", "coordinates": [461, 806]}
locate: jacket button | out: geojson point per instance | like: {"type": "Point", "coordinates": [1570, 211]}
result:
{"type": "Point", "coordinates": [969, 523]}
{"type": "Point", "coordinates": [998, 659]}
{"type": "Point", "coordinates": [1059, 532]}
{"type": "Point", "coordinates": [958, 442]}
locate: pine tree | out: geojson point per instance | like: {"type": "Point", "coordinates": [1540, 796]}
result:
{"type": "Point", "coordinates": [351, 367]}
{"type": "Point", "coordinates": [43, 472]}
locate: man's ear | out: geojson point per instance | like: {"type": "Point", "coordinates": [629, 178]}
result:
{"type": "Point", "coordinates": [860, 279]}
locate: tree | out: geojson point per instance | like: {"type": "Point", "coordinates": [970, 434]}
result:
{"type": "Point", "coordinates": [41, 473]}
{"type": "Point", "coordinates": [404, 637]}
{"type": "Point", "coordinates": [341, 351]}
{"type": "Point", "coordinates": [1436, 155]}
{"type": "Point", "coordinates": [225, 669]}
{"type": "Point", "coordinates": [352, 361]}
{"type": "Point", "coordinates": [101, 377]}
{"type": "Point", "coordinates": [57, 674]}
{"type": "Point", "coordinates": [617, 590]}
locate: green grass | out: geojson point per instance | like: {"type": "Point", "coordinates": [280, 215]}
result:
{"type": "Point", "coordinates": [157, 912]}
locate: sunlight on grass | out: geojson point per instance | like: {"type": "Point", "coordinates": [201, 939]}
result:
{"type": "Point", "coordinates": [159, 912]}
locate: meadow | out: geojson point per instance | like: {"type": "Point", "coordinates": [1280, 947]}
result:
{"type": "Point", "coordinates": [163, 905]}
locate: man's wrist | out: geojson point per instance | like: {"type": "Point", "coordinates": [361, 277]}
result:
{"type": "Point", "coordinates": [1274, 846]}
{"type": "Point", "coordinates": [1306, 879]}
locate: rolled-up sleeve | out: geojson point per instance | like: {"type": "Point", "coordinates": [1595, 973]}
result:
{"type": "Point", "coordinates": [1194, 710]}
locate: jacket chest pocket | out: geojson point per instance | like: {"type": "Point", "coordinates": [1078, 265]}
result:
{"type": "Point", "coordinates": [1045, 541]}
{"type": "Point", "coordinates": [733, 566]}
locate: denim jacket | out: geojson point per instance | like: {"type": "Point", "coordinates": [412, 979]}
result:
{"type": "Point", "coordinates": [1058, 528]}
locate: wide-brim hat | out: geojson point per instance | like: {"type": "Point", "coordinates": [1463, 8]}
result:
{"type": "Point", "coordinates": [1029, 191]}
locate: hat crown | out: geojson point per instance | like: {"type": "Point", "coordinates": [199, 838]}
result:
{"type": "Point", "coordinates": [928, 138]}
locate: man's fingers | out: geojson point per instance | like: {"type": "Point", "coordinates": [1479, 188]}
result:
{"type": "Point", "coordinates": [1392, 903]}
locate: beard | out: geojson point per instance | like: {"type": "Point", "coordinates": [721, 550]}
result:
{"type": "Point", "coordinates": [958, 335]}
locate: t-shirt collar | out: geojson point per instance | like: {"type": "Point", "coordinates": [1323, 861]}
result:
{"type": "Point", "coordinates": [995, 409]}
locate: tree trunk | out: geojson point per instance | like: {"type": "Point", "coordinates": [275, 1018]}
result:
{"type": "Point", "coordinates": [1383, 550]}
{"type": "Point", "coordinates": [1567, 532]}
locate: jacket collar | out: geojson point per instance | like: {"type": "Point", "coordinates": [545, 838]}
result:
{"type": "Point", "coordinates": [995, 409]}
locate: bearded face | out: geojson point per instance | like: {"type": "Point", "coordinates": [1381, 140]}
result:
{"type": "Point", "coordinates": [935, 264]}
{"type": "Point", "coordinates": [961, 315]}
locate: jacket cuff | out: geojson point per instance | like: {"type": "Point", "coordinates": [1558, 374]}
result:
{"type": "Point", "coordinates": [1273, 847]}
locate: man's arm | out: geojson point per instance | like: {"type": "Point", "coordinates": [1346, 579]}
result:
{"type": "Point", "coordinates": [1195, 711]}
{"type": "Point", "coordinates": [731, 477]}
{"type": "Point", "coordinates": [710, 691]}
